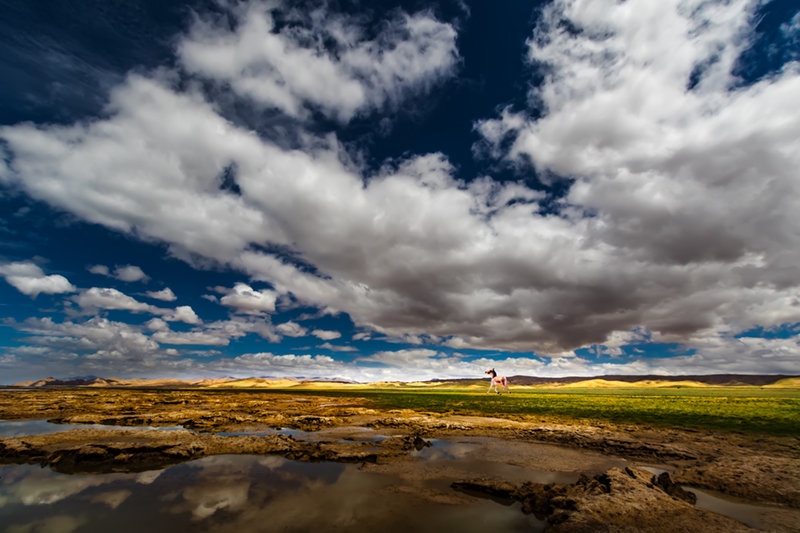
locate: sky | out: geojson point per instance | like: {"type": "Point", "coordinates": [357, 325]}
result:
{"type": "Point", "coordinates": [399, 190]}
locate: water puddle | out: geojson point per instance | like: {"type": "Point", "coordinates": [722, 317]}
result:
{"type": "Point", "coordinates": [263, 432]}
{"type": "Point", "coordinates": [755, 516]}
{"type": "Point", "coordinates": [516, 462]}
{"type": "Point", "coordinates": [271, 493]}
{"type": "Point", "coordinates": [338, 434]}
{"type": "Point", "coordinates": [242, 493]}
{"type": "Point", "coordinates": [748, 514]}
{"type": "Point", "coordinates": [22, 428]}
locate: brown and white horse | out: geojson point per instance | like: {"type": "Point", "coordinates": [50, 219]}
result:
{"type": "Point", "coordinates": [495, 381]}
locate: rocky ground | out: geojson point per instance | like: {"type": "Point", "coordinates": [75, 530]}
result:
{"type": "Point", "coordinates": [613, 491]}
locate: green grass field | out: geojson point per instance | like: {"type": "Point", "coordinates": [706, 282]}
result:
{"type": "Point", "coordinates": [747, 409]}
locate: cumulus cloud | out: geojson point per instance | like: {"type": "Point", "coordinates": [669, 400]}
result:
{"type": "Point", "coordinates": [290, 365]}
{"type": "Point", "coordinates": [108, 298]}
{"type": "Point", "coordinates": [183, 313]}
{"type": "Point", "coordinates": [159, 156]}
{"type": "Point", "coordinates": [29, 279]}
{"type": "Point", "coordinates": [318, 59]}
{"type": "Point", "coordinates": [291, 329]}
{"type": "Point", "coordinates": [791, 31]}
{"type": "Point", "coordinates": [402, 357]}
{"type": "Point", "coordinates": [239, 326]}
{"type": "Point", "coordinates": [387, 251]}
{"type": "Point", "coordinates": [163, 336]}
{"type": "Point", "coordinates": [244, 299]}
{"type": "Point", "coordinates": [101, 270]}
{"type": "Point", "coordinates": [108, 348]}
{"type": "Point", "coordinates": [129, 273]}
{"type": "Point", "coordinates": [97, 338]}
{"type": "Point", "coordinates": [165, 295]}
{"type": "Point", "coordinates": [688, 174]}
{"type": "Point", "coordinates": [325, 334]}
{"type": "Point", "coordinates": [337, 347]}
{"type": "Point", "coordinates": [217, 333]}
{"type": "Point", "coordinates": [157, 324]}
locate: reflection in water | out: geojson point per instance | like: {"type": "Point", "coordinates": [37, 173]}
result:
{"type": "Point", "coordinates": [238, 493]}
{"type": "Point", "coordinates": [750, 515]}
{"type": "Point", "coordinates": [21, 428]}
{"type": "Point", "coordinates": [263, 432]}
{"type": "Point", "coordinates": [741, 511]}
{"type": "Point", "coordinates": [495, 458]}
{"type": "Point", "coordinates": [341, 434]}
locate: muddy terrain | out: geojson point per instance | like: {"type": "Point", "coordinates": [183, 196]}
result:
{"type": "Point", "coordinates": [626, 478]}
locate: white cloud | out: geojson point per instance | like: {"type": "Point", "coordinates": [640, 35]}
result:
{"type": "Point", "coordinates": [152, 168]}
{"type": "Point", "coordinates": [239, 326]}
{"type": "Point", "coordinates": [217, 333]}
{"type": "Point", "coordinates": [101, 270]}
{"type": "Point", "coordinates": [183, 313]}
{"type": "Point", "coordinates": [791, 30]}
{"type": "Point", "coordinates": [245, 299]}
{"type": "Point", "coordinates": [322, 60]}
{"type": "Point", "coordinates": [189, 337]}
{"type": "Point", "coordinates": [130, 273]}
{"type": "Point", "coordinates": [157, 324]}
{"type": "Point", "coordinates": [99, 338]}
{"type": "Point", "coordinates": [730, 355]}
{"type": "Point", "coordinates": [337, 348]}
{"type": "Point", "coordinates": [402, 358]}
{"type": "Point", "coordinates": [165, 295]}
{"type": "Point", "coordinates": [326, 335]}
{"type": "Point", "coordinates": [269, 364]}
{"type": "Point", "coordinates": [291, 329]}
{"type": "Point", "coordinates": [691, 190]}
{"type": "Point", "coordinates": [107, 298]}
{"type": "Point", "coordinates": [127, 273]}
{"type": "Point", "coordinates": [29, 279]}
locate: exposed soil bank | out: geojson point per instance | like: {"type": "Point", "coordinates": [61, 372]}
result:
{"type": "Point", "coordinates": [606, 495]}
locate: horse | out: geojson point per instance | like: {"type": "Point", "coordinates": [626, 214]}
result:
{"type": "Point", "coordinates": [495, 381]}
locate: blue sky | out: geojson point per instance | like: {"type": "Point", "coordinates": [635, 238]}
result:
{"type": "Point", "coordinates": [399, 190]}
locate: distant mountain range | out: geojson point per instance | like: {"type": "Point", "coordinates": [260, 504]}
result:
{"type": "Point", "coordinates": [758, 380]}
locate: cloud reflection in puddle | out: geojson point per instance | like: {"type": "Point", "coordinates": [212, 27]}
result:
{"type": "Point", "coordinates": [239, 493]}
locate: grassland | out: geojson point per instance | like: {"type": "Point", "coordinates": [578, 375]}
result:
{"type": "Point", "coordinates": [771, 408]}
{"type": "Point", "coordinates": [748, 409]}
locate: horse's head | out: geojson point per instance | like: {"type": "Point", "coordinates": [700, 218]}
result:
{"type": "Point", "coordinates": [491, 371]}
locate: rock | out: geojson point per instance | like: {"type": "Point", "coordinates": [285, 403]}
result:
{"type": "Point", "coordinates": [419, 443]}
{"type": "Point", "coordinates": [757, 477]}
{"type": "Point", "coordinates": [616, 500]}
{"type": "Point", "coordinates": [406, 442]}
{"type": "Point", "coordinates": [665, 483]}
{"type": "Point", "coordinates": [501, 491]}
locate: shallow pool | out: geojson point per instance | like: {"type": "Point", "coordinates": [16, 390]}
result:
{"type": "Point", "coordinates": [241, 493]}
{"type": "Point", "coordinates": [21, 428]}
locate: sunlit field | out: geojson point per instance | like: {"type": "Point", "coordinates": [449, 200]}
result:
{"type": "Point", "coordinates": [749, 409]}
